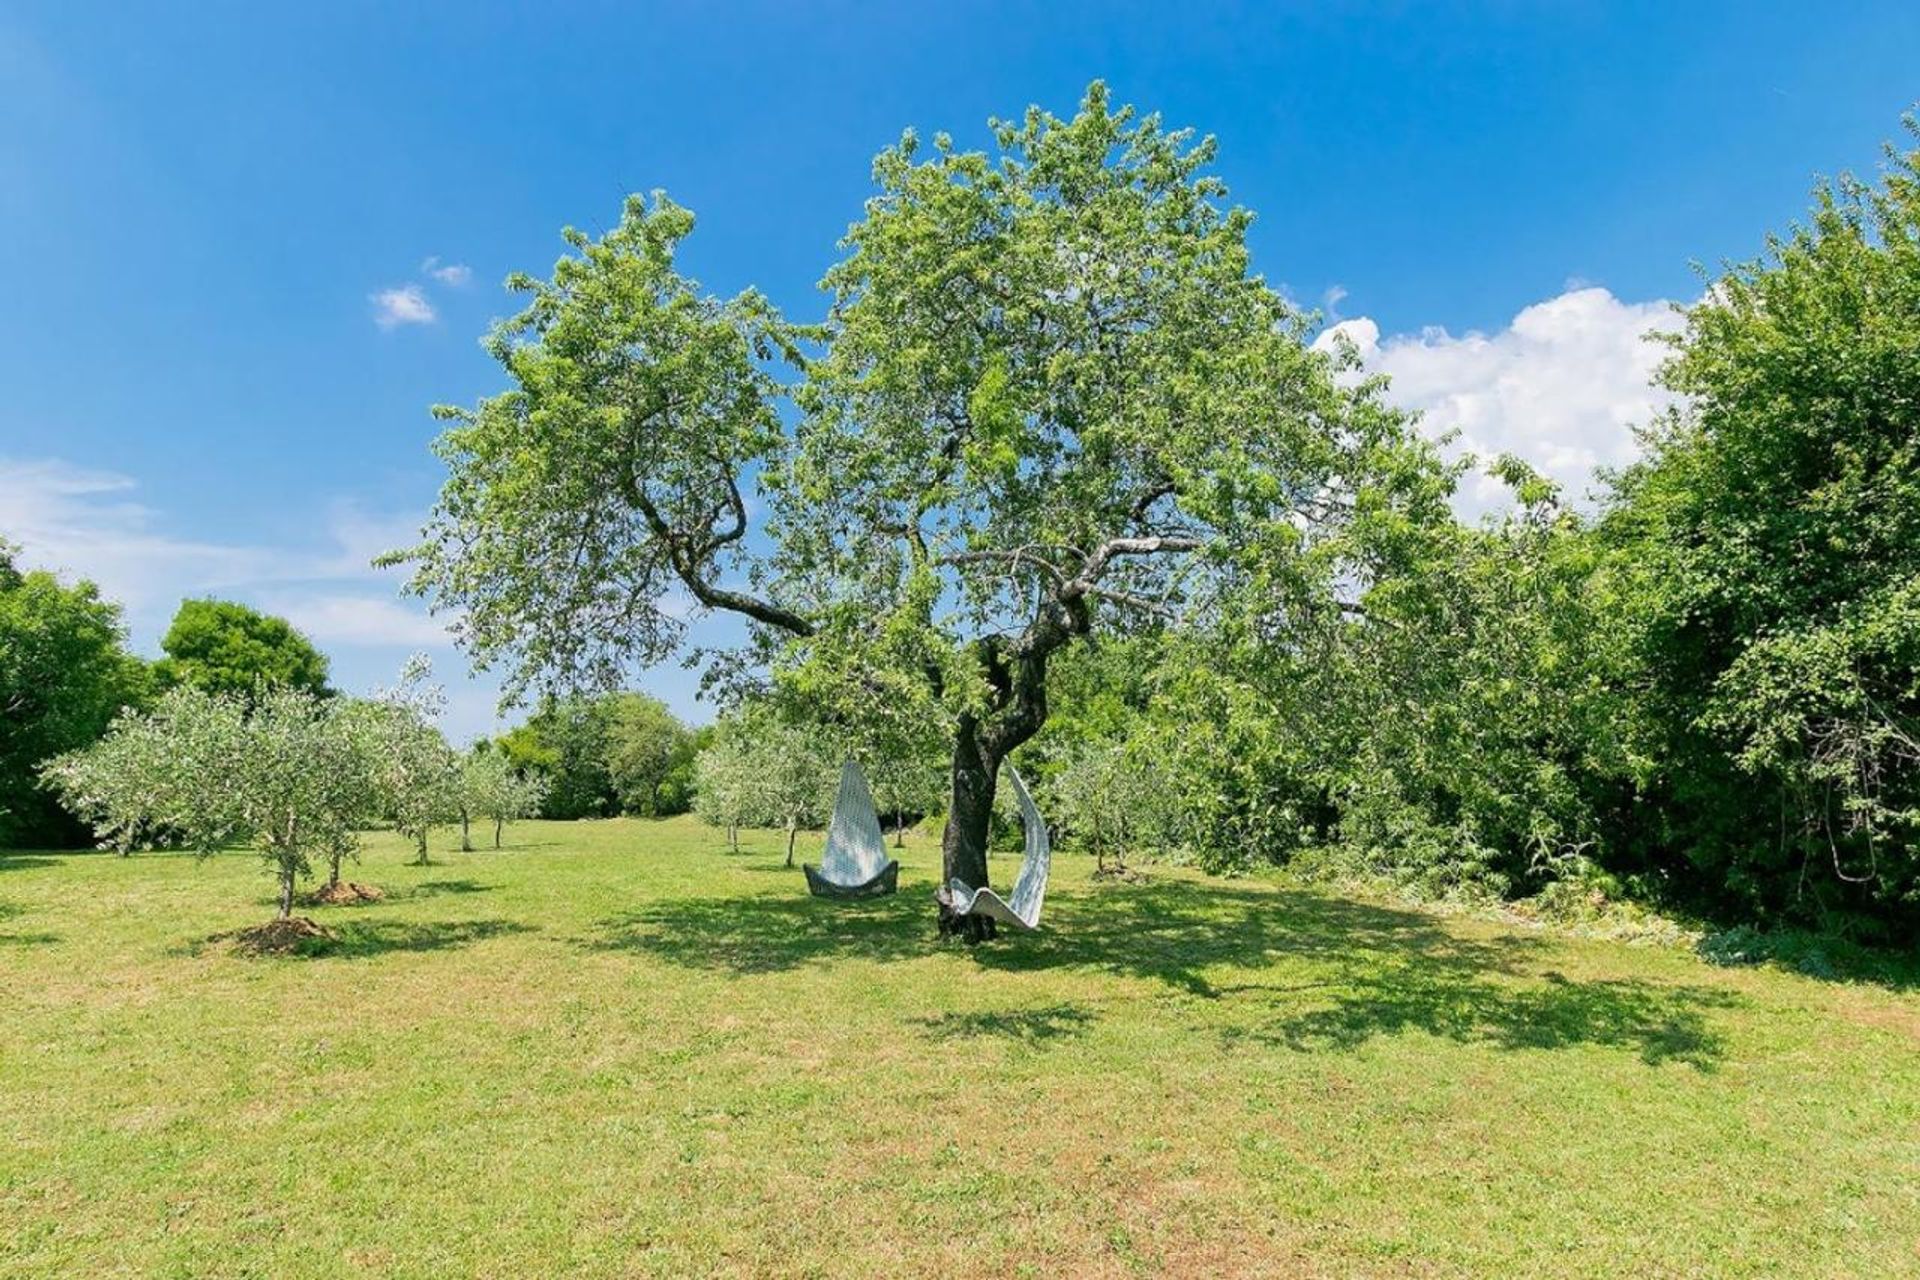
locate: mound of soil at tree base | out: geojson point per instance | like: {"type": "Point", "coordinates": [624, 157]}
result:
{"type": "Point", "coordinates": [292, 936]}
{"type": "Point", "coordinates": [346, 893]}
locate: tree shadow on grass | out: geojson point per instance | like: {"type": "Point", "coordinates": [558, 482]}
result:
{"type": "Point", "coordinates": [1030, 1027]}
{"type": "Point", "coordinates": [361, 939]}
{"type": "Point", "coordinates": [425, 889]}
{"type": "Point", "coordinates": [1659, 1023]}
{"type": "Point", "coordinates": [352, 939]}
{"type": "Point", "coordinates": [1353, 970]}
{"type": "Point", "coordinates": [25, 862]}
{"type": "Point", "coordinates": [439, 888]}
{"type": "Point", "coordinates": [765, 934]}
{"type": "Point", "coordinates": [8, 911]}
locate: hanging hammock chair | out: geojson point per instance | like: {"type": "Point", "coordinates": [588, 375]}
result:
{"type": "Point", "coordinates": [1022, 906]}
{"type": "Point", "coordinates": [855, 864]}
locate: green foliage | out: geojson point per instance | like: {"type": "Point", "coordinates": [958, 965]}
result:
{"type": "Point", "coordinates": [564, 743]}
{"type": "Point", "coordinates": [723, 782]}
{"type": "Point", "coordinates": [760, 769]}
{"type": "Point", "coordinates": [493, 790]}
{"type": "Point", "coordinates": [645, 745]}
{"type": "Point", "coordinates": [288, 774]}
{"type": "Point", "coordinates": [1712, 695]}
{"type": "Point", "coordinates": [1115, 799]}
{"type": "Point", "coordinates": [223, 647]}
{"type": "Point", "coordinates": [599, 756]}
{"type": "Point", "coordinates": [1050, 400]}
{"type": "Point", "coordinates": [1767, 551]}
{"type": "Point", "coordinates": [637, 405]}
{"type": "Point", "coordinates": [1220, 724]}
{"type": "Point", "coordinates": [416, 775]}
{"type": "Point", "coordinates": [1471, 718]}
{"type": "Point", "coordinates": [64, 675]}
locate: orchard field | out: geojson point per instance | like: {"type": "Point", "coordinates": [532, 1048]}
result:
{"type": "Point", "coordinates": [615, 1048]}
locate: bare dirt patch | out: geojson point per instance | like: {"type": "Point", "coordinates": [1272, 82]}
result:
{"type": "Point", "coordinates": [344, 894]}
{"type": "Point", "coordinates": [295, 935]}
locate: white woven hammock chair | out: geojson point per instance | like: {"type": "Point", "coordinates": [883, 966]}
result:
{"type": "Point", "coordinates": [855, 864]}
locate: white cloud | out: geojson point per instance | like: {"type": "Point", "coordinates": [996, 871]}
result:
{"type": "Point", "coordinates": [452, 274]}
{"type": "Point", "coordinates": [404, 304]}
{"type": "Point", "coordinates": [83, 523]}
{"type": "Point", "coordinates": [358, 620]}
{"type": "Point", "coordinates": [359, 535]}
{"type": "Point", "coordinates": [1563, 386]}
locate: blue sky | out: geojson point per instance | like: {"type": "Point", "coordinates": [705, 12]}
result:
{"type": "Point", "coordinates": [201, 208]}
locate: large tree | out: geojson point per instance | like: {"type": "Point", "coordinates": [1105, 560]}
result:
{"type": "Point", "coordinates": [644, 742]}
{"type": "Point", "coordinates": [1049, 397]}
{"type": "Point", "coordinates": [64, 675]}
{"type": "Point", "coordinates": [1767, 553]}
{"type": "Point", "coordinates": [565, 744]}
{"type": "Point", "coordinates": [224, 647]}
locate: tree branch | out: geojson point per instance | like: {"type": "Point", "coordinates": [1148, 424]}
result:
{"type": "Point", "coordinates": [1112, 548]}
{"type": "Point", "coordinates": [686, 566]}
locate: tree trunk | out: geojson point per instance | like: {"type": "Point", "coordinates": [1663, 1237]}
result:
{"type": "Point", "coordinates": [333, 869]}
{"type": "Point", "coordinates": [963, 846]}
{"type": "Point", "coordinates": [733, 836]}
{"type": "Point", "coordinates": [793, 830]}
{"type": "Point", "coordinates": [286, 890]}
{"type": "Point", "coordinates": [420, 846]}
{"type": "Point", "coordinates": [497, 824]}
{"type": "Point", "coordinates": [899, 829]}
{"type": "Point", "coordinates": [466, 841]}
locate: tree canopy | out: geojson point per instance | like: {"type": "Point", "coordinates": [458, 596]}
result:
{"type": "Point", "coordinates": [1767, 548]}
{"type": "Point", "coordinates": [645, 745]}
{"type": "Point", "coordinates": [286, 774]}
{"type": "Point", "coordinates": [1049, 397]}
{"type": "Point", "coordinates": [224, 647]}
{"type": "Point", "coordinates": [64, 675]}
{"type": "Point", "coordinates": [621, 752]}
{"type": "Point", "coordinates": [415, 774]}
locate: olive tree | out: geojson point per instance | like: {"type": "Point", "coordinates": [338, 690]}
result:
{"type": "Point", "coordinates": [723, 783]}
{"type": "Point", "coordinates": [792, 769]}
{"type": "Point", "coordinates": [1049, 397]}
{"type": "Point", "coordinates": [1114, 799]}
{"type": "Point", "coordinates": [905, 780]}
{"type": "Point", "coordinates": [287, 776]}
{"type": "Point", "coordinates": [416, 773]}
{"type": "Point", "coordinates": [491, 788]}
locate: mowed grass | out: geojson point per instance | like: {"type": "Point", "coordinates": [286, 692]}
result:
{"type": "Point", "coordinates": [618, 1049]}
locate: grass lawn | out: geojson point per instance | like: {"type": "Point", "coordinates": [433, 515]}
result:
{"type": "Point", "coordinates": [617, 1049]}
